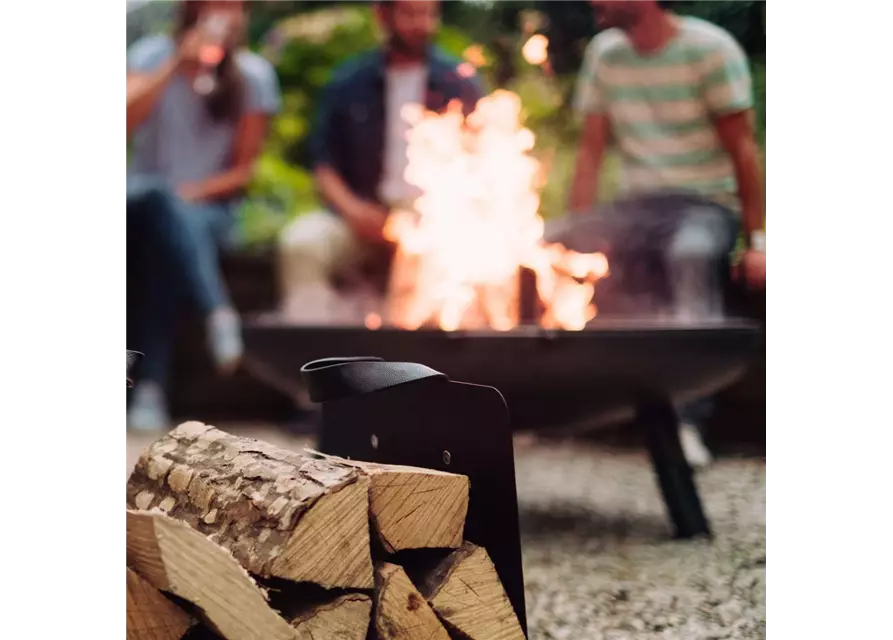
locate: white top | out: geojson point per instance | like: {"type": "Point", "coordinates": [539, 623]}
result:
{"type": "Point", "coordinates": [404, 86]}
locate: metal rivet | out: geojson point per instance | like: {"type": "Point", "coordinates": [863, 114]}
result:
{"type": "Point", "coordinates": [446, 457]}
{"type": "Point", "coordinates": [374, 441]}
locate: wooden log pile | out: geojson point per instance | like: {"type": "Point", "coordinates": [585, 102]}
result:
{"type": "Point", "coordinates": [233, 538]}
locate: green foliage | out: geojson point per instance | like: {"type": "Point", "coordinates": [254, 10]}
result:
{"type": "Point", "coordinates": [570, 25]}
{"type": "Point", "coordinates": [758, 71]}
{"type": "Point", "coordinates": [744, 19]}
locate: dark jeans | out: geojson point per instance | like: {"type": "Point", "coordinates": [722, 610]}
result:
{"type": "Point", "coordinates": [696, 413]}
{"type": "Point", "coordinates": [669, 254]}
{"type": "Point", "coordinates": [177, 246]}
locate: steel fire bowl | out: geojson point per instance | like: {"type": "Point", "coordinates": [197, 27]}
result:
{"type": "Point", "coordinates": [548, 378]}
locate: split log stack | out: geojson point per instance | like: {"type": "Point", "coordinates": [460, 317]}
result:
{"type": "Point", "coordinates": [234, 538]}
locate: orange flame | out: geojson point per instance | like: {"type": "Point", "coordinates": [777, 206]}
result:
{"type": "Point", "coordinates": [474, 55]}
{"type": "Point", "coordinates": [477, 224]}
{"type": "Point", "coordinates": [373, 321]}
{"type": "Point", "coordinates": [536, 50]}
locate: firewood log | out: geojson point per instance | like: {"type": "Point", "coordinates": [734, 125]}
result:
{"type": "Point", "coordinates": [302, 517]}
{"type": "Point", "coordinates": [345, 617]}
{"type": "Point", "coordinates": [467, 595]}
{"type": "Point", "coordinates": [401, 612]}
{"type": "Point", "coordinates": [281, 514]}
{"type": "Point", "coordinates": [150, 615]}
{"type": "Point", "coordinates": [413, 508]}
{"type": "Point", "coordinates": [177, 559]}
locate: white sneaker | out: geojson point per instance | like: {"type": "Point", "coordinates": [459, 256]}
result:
{"type": "Point", "coordinates": [148, 410]}
{"type": "Point", "coordinates": [696, 452]}
{"type": "Point", "coordinates": [225, 339]}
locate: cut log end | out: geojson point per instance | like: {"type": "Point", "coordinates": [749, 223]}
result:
{"type": "Point", "coordinates": [150, 615]}
{"type": "Point", "coordinates": [330, 545]}
{"type": "Point", "coordinates": [466, 593]}
{"type": "Point", "coordinates": [418, 509]}
{"type": "Point", "coordinates": [413, 508]}
{"type": "Point", "coordinates": [346, 617]}
{"type": "Point", "coordinates": [401, 612]}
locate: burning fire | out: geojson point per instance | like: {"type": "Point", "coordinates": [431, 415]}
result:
{"type": "Point", "coordinates": [474, 55]}
{"type": "Point", "coordinates": [459, 253]}
{"type": "Point", "coordinates": [536, 50]}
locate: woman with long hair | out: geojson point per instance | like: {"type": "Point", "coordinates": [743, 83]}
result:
{"type": "Point", "coordinates": [198, 110]}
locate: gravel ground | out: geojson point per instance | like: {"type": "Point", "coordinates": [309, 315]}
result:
{"type": "Point", "coordinates": [598, 563]}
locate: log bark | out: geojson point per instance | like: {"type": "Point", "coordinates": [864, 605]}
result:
{"type": "Point", "coordinates": [467, 595]}
{"type": "Point", "coordinates": [401, 612]}
{"type": "Point", "coordinates": [345, 617]}
{"type": "Point", "coordinates": [173, 557]}
{"type": "Point", "coordinates": [412, 508]}
{"type": "Point", "coordinates": [280, 513]}
{"type": "Point", "coordinates": [150, 615]}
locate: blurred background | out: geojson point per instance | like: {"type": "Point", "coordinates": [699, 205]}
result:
{"type": "Point", "coordinates": [306, 40]}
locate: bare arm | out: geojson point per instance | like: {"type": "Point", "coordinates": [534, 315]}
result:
{"type": "Point", "coordinates": [143, 92]}
{"type": "Point", "coordinates": [146, 82]}
{"type": "Point", "coordinates": [333, 189]}
{"type": "Point", "coordinates": [250, 138]}
{"type": "Point", "coordinates": [736, 132]}
{"type": "Point", "coordinates": [367, 219]}
{"type": "Point", "coordinates": [590, 154]}
{"type": "Point", "coordinates": [727, 90]}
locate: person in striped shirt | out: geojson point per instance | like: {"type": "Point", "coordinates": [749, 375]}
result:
{"type": "Point", "coordinates": [673, 95]}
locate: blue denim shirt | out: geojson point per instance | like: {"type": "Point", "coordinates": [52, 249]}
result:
{"type": "Point", "coordinates": [348, 132]}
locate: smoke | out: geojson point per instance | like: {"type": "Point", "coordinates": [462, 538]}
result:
{"type": "Point", "coordinates": [667, 254]}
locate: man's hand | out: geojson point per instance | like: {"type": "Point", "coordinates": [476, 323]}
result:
{"type": "Point", "coordinates": [367, 219]}
{"type": "Point", "coordinates": [189, 192]}
{"type": "Point", "coordinates": [753, 267]}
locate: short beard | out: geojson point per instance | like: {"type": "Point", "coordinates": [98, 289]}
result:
{"type": "Point", "coordinates": [404, 49]}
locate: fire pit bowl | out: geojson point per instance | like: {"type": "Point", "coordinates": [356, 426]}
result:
{"type": "Point", "coordinates": [641, 368]}
{"type": "Point", "coordinates": [548, 378]}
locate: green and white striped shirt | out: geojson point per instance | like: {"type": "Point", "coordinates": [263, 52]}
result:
{"type": "Point", "coordinates": [662, 107]}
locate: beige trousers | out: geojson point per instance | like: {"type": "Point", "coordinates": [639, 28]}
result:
{"type": "Point", "coordinates": [312, 250]}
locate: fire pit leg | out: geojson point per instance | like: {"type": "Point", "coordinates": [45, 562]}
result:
{"type": "Point", "coordinates": [658, 419]}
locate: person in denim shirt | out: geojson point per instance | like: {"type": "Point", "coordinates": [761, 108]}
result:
{"type": "Point", "coordinates": [193, 152]}
{"type": "Point", "coordinates": [357, 149]}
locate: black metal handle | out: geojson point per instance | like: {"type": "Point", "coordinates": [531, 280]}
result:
{"type": "Point", "coordinates": [331, 379]}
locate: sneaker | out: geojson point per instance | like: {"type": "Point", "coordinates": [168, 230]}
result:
{"type": "Point", "coordinates": [696, 452]}
{"type": "Point", "coordinates": [225, 339]}
{"type": "Point", "coordinates": [148, 410]}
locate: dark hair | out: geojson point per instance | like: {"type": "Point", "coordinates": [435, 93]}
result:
{"type": "Point", "coordinates": [226, 100]}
